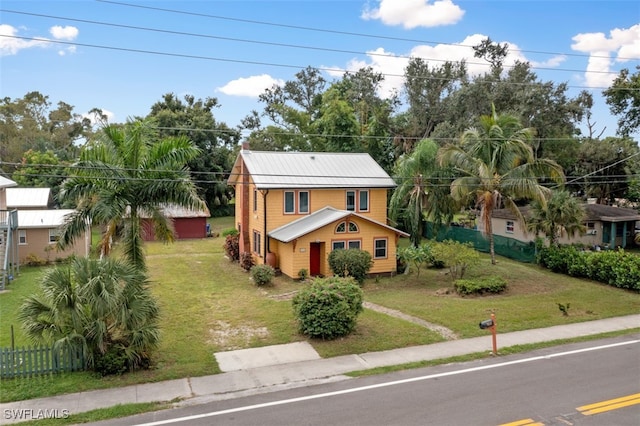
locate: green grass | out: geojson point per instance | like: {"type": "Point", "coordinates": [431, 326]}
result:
{"type": "Point", "coordinates": [210, 305]}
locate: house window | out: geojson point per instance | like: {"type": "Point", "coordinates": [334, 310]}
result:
{"type": "Point", "coordinates": [289, 202]}
{"type": "Point", "coordinates": [54, 234]}
{"type": "Point", "coordinates": [354, 244]}
{"type": "Point", "coordinates": [256, 242]}
{"type": "Point", "coordinates": [22, 236]}
{"type": "Point", "coordinates": [380, 248]}
{"type": "Point", "coordinates": [363, 199]}
{"type": "Point", "coordinates": [255, 200]}
{"type": "Point", "coordinates": [303, 202]}
{"type": "Point", "coordinates": [344, 226]}
{"type": "Point", "coordinates": [338, 245]}
{"type": "Point", "coordinates": [510, 226]}
{"type": "Point", "coordinates": [351, 201]}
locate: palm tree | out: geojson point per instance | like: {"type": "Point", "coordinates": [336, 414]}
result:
{"type": "Point", "coordinates": [561, 215]}
{"type": "Point", "coordinates": [124, 176]}
{"type": "Point", "coordinates": [96, 305]}
{"type": "Point", "coordinates": [420, 192]}
{"type": "Point", "coordinates": [498, 168]}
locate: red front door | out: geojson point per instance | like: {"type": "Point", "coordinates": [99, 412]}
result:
{"type": "Point", "coordinates": [314, 259]}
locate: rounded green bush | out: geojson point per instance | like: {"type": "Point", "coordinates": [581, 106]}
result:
{"type": "Point", "coordinates": [350, 263]}
{"type": "Point", "coordinates": [328, 307]}
{"type": "Point", "coordinates": [262, 274]}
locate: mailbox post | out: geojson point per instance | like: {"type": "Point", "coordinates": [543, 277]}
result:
{"type": "Point", "coordinates": [491, 325]}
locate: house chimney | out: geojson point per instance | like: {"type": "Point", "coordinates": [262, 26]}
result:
{"type": "Point", "coordinates": [245, 146]}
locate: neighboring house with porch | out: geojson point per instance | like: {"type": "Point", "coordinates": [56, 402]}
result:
{"type": "Point", "coordinates": [606, 226]}
{"type": "Point", "coordinates": [294, 208]}
{"type": "Point", "coordinates": [29, 229]}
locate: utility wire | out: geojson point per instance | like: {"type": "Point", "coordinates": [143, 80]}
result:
{"type": "Point", "coordinates": [324, 30]}
{"type": "Point", "coordinates": [261, 42]}
{"type": "Point", "coordinates": [271, 64]}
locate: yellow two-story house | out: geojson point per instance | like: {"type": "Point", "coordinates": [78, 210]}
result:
{"type": "Point", "coordinates": [294, 208]}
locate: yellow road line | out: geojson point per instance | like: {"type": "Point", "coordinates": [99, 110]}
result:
{"type": "Point", "coordinates": [611, 404]}
{"type": "Point", "coordinates": [523, 422]}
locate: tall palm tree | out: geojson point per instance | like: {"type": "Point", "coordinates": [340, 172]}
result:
{"type": "Point", "coordinates": [561, 215]}
{"type": "Point", "coordinates": [497, 168]}
{"type": "Point", "coordinates": [95, 305]}
{"type": "Point", "coordinates": [126, 175]}
{"type": "Point", "coordinates": [421, 191]}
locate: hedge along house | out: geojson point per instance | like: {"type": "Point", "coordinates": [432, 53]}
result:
{"type": "Point", "coordinates": [187, 223]}
{"type": "Point", "coordinates": [294, 208]}
{"type": "Point", "coordinates": [606, 226]}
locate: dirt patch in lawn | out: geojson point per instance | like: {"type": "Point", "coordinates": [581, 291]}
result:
{"type": "Point", "coordinates": [229, 337]}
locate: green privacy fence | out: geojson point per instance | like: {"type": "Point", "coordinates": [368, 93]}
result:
{"type": "Point", "coordinates": [503, 246]}
{"type": "Point", "coordinates": [31, 361]}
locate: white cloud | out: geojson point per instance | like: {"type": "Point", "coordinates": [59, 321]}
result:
{"type": "Point", "coordinates": [621, 46]}
{"type": "Point", "coordinates": [64, 33]}
{"type": "Point", "coordinates": [11, 46]}
{"type": "Point", "coordinates": [415, 13]}
{"type": "Point", "coordinates": [251, 86]}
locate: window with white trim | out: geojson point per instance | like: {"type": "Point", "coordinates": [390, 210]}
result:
{"type": "Point", "coordinates": [353, 227]}
{"type": "Point", "coordinates": [363, 201]}
{"type": "Point", "coordinates": [380, 248]}
{"type": "Point", "coordinates": [22, 236]}
{"type": "Point", "coordinates": [348, 244]}
{"type": "Point", "coordinates": [354, 244]}
{"type": "Point", "coordinates": [255, 200]}
{"type": "Point", "coordinates": [338, 245]}
{"type": "Point", "coordinates": [510, 226]}
{"type": "Point", "coordinates": [289, 202]}
{"type": "Point", "coordinates": [296, 202]}
{"type": "Point", "coordinates": [256, 242]}
{"type": "Point", "coordinates": [303, 202]}
{"type": "Point", "coordinates": [351, 201]}
{"type": "Point", "coordinates": [54, 235]}
{"type": "Point", "coordinates": [341, 228]}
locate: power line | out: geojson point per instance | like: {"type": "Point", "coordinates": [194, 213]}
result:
{"type": "Point", "coordinates": [262, 42]}
{"type": "Point", "coordinates": [272, 64]}
{"type": "Point", "coordinates": [324, 30]}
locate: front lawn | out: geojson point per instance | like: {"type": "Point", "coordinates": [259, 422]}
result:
{"type": "Point", "coordinates": [210, 305]}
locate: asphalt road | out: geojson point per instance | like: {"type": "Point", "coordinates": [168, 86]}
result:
{"type": "Point", "coordinates": [554, 386]}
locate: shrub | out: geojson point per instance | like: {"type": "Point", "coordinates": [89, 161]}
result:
{"type": "Point", "coordinates": [246, 260]}
{"type": "Point", "coordinates": [303, 274]}
{"type": "Point", "coordinates": [262, 274]}
{"type": "Point", "coordinates": [231, 247]}
{"type": "Point", "coordinates": [112, 362]}
{"type": "Point", "coordinates": [230, 231]}
{"type": "Point", "coordinates": [33, 259]}
{"type": "Point", "coordinates": [350, 263]}
{"type": "Point", "coordinates": [328, 307]}
{"type": "Point", "coordinates": [480, 286]}
{"type": "Point", "coordinates": [456, 256]}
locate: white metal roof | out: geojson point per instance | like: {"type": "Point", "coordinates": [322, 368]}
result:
{"type": "Point", "coordinates": [28, 197]}
{"type": "Point", "coordinates": [42, 218]}
{"type": "Point", "coordinates": [6, 183]}
{"type": "Point", "coordinates": [272, 170]}
{"type": "Point", "coordinates": [317, 220]}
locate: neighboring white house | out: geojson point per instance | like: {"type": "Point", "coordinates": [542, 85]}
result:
{"type": "Point", "coordinates": [607, 226]}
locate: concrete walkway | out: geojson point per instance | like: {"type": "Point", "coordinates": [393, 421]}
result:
{"type": "Point", "coordinates": [270, 368]}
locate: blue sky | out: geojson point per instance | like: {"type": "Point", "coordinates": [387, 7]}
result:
{"type": "Point", "coordinates": [236, 49]}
